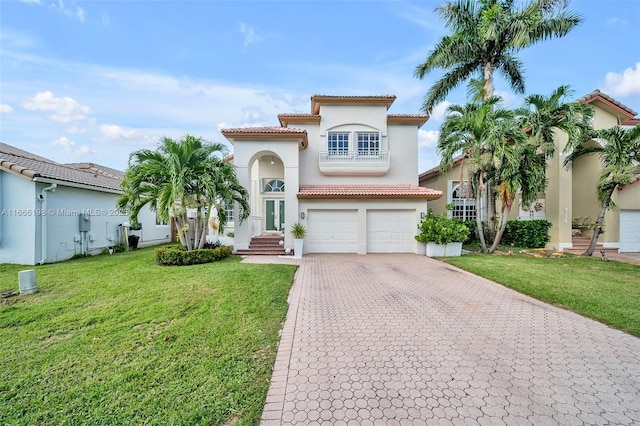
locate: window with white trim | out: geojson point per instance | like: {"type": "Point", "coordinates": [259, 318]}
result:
{"type": "Point", "coordinates": [461, 196]}
{"type": "Point", "coordinates": [275, 185]}
{"type": "Point", "coordinates": [368, 143]}
{"type": "Point", "coordinates": [229, 211]}
{"type": "Point", "coordinates": [338, 143]}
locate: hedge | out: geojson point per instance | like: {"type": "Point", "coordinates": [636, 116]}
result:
{"type": "Point", "coordinates": [178, 256]}
{"type": "Point", "coordinates": [526, 233]}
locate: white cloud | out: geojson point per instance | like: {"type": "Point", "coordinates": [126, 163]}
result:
{"type": "Point", "coordinates": [5, 109]}
{"type": "Point", "coordinates": [80, 14]}
{"type": "Point", "coordinates": [616, 21]}
{"type": "Point", "coordinates": [439, 112]}
{"type": "Point", "coordinates": [105, 19]}
{"type": "Point", "coordinates": [428, 138]}
{"type": "Point", "coordinates": [63, 110]}
{"type": "Point", "coordinates": [249, 34]}
{"type": "Point", "coordinates": [31, 1]}
{"type": "Point", "coordinates": [70, 147]}
{"type": "Point", "coordinates": [625, 84]}
{"type": "Point", "coordinates": [509, 99]}
{"type": "Point", "coordinates": [112, 132]}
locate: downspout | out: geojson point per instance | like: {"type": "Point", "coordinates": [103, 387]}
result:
{"type": "Point", "coordinates": [45, 214]}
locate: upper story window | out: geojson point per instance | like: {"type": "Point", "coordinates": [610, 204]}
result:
{"type": "Point", "coordinates": [338, 143]}
{"type": "Point", "coordinates": [275, 185]}
{"type": "Point", "coordinates": [368, 143]}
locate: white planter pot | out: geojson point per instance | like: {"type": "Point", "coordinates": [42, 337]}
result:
{"type": "Point", "coordinates": [453, 249]}
{"type": "Point", "coordinates": [297, 247]}
{"type": "Point", "coordinates": [435, 250]}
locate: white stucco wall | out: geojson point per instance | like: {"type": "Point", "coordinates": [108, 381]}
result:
{"type": "Point", "coordinates": [26, 216]}
{"type": "Point", "coordinates": [18, 204]}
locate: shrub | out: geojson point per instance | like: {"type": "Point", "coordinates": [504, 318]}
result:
{"type": "Point", "coordinates": [441, 229]}
{"type": "Point", "coordinates": [527, 233]}
{"type": "Point", "coordinates": [178, 256]}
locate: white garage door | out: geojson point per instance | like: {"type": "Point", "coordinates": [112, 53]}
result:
{"type": "Point", "coordinates": [332, 231]}
{"type": "Point", "coordinates": [391, 231]}
{"type": "Point", "coordinates": [629, 230]}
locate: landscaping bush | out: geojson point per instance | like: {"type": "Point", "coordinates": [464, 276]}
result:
{"type": "Point", "coordinates": [527, 233]}
{"type": "Point", "coordinates": [441, 229]}
{"type": "Point", "coordinates": [178, 256]}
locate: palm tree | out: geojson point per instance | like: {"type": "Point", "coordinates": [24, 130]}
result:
{"type": "Point", "coordinates": [180, 175]}
{"type": "Point", "coordinates": [484, 133]}
{"type": "Point", "coordinates": [619, 151]}
{"type": "Point", "coordinates": [486, 35]}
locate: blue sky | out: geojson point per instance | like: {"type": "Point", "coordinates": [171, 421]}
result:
{"type": "Point", "coordinates": [95, 80]}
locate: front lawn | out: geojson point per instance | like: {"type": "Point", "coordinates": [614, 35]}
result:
{"type": "Point", "coordinates": [608, 292]}
{"type": "Point", "coordinates": [120, 340]}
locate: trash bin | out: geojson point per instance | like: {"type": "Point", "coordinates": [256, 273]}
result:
{"type": "Point", "coordinates": [133, 241]}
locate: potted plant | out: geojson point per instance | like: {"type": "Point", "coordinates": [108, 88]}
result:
{"type": "Point", "coordinates": [298, 231]}
{"type": "Point", "coordinates": [442, 235]}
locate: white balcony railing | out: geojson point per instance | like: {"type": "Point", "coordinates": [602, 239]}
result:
{"type": "Point", "coordinates": [354, 163]}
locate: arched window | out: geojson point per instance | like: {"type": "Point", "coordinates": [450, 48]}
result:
{"type": "Point", "coordinates": [464, 205]}
{"type": "Point", "coordinates": [275, 185]}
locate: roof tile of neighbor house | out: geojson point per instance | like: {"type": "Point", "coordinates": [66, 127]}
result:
{"type": "Point", "coordinates": [598, 95]}
{"type": "Point", "coordinates": [31, 166]}
{"type": "Point", "coordinates": [368, 191]}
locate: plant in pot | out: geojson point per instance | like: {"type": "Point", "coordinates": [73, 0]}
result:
{"type": "Point", "coordinates": [442, 235]}
{"type": "Point", "coordinates": [298, 231]}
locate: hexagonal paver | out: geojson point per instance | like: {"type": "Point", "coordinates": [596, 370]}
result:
{"type": "Point", "coordinates": [405, 339]}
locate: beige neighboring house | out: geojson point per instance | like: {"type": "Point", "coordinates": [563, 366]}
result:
{"type": "Point", "coordinates": [570, 198]}
{"type": "Point", "coordinates": [348, 171]}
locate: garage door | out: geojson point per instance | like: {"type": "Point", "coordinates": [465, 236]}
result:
{"type": "Point", "coordinates": [391, 231]}
{"type": "Point", "coordinates": [332, 231]}
{"type": "Point", "coordinates": [629, 230]}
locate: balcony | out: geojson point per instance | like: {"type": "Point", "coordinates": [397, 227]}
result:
{"type": "Point", "coordinates": [354, 163]}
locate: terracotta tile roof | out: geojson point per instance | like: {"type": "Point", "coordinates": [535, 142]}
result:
{"type": "Point", "coordinates": [368, 191]}
{"type": "Point", "coordinates": [97, 169]}
{"type": "Point", "coordinates": [267, 132]}
{"type": "Point", "coordinates": [435, 171]}
{"type": "Point", "coordinates": [598, 95]}
{"type": "Point", "coordinates": [417, 119]}
{"type": "Point", "coordinates": [264, 129]}
{"type": "Point", "coordinates": [317, 100]}
{"type": "Point", "coordinates": [296, 118]}
{"type": "Point", "coordinates": [31, 166]}
{"type": "Point", "coordinates": [634, 181]}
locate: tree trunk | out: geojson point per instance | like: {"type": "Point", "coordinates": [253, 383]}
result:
{"type": "Point", "coordinates": [488, 81]}
{"type": "Point", "coordinates": [483, 244]}
{"type": "Point", "coordinates": [597, 228]}
{"type": "Point", "coordinates": [502, 226]}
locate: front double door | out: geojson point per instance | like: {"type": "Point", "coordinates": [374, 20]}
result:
{"type": "Point", "coordinates": [274, 215]}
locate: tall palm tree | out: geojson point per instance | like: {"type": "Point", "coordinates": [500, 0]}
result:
{"type": "Point", "coordinates": [485, 36]}
{"type": "Point", "coordinates": [180, 175]}
{"type": "Point", "coordinates": [619, 151]}
{"type": "Point", "coordinates": [483, 132]}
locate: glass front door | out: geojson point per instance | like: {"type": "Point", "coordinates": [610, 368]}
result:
{"type": "Point", "coordinates": [274, 210]}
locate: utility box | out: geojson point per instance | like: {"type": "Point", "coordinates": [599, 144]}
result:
{"type": "Point", "coordinates": [85, 222]}
{"type": "Point", "coordinates": [27, 282]}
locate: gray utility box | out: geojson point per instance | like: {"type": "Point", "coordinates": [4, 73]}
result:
{"type": "Point", "coordinates": [27, 281]}
{"type": "Point", "coordinates": [85, 222]}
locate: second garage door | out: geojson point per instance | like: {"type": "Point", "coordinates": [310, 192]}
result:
{"type": "Point", "coordinates": [391, 231]}
{"type": "Point", "coordinates": [332, 231]}
{"type": "Point", "coordinates": [630, 231]}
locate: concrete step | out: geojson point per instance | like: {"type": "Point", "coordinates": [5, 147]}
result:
{"type": "Point", "coordinates": [260, 252]}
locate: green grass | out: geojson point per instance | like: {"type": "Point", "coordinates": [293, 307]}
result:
{"type": "Point", "coordinates": [608, 292]}
{"type": "Point", "coordinates": [120, 340]}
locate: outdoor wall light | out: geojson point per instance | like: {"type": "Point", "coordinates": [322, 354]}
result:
{"type": "Point", "coordinates": [301, 215]}
{"type": "Point", "coordinates": [422, 215]}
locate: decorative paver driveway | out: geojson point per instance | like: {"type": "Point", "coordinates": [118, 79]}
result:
{"type": "Point", "coordinates": [404, 339]}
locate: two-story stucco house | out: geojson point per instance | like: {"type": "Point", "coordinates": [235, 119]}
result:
{"type": "Point", "coordinates": [570, 198]}
{"type": "Point", "coordinates": [51, 211]}
{"type": "Point", "coordinates": [347, 171]}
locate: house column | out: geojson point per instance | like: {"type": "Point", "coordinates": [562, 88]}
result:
{"type": "Point", "coordinates": [242, 232]}
{"type": "Point", "coordinates": [559, 197]}
{"type": "Point", "coordinates": [292, 184]}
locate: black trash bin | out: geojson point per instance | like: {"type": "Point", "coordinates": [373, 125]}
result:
{"type": "Point", "coordinates": [133, 241]}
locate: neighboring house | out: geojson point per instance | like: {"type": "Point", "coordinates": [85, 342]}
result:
{"type": "Point", "coordinates": [570, 198]}
{"type": "Point", "coordinates": [50, 211]}
{"type": "Point", "coordinates": [347, 171]}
